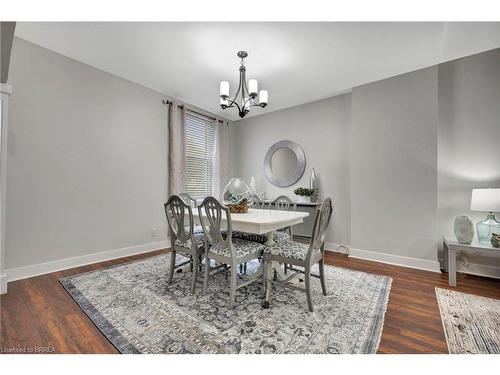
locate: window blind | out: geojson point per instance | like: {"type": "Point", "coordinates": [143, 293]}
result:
{"type": "Point", "coordinates": [200, 140]}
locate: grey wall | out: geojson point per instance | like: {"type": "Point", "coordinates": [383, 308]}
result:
{"type": "Point", "coordinates": [469, 135]}
{"type": "Point", "coordinates": [87, 160]}
{"type": "Point", "coordinates": [322, 129]}
{"type": "Point", "coordinates": [393, 165]}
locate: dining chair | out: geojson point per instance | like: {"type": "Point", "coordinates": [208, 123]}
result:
{"type": "Point", "coordinates": [257, 202]}
{"type": "Point", "coordinates": [297, 254]}
{"type": "Point", "coordinates": [283, 203]}
{"type": "Point", "coordinates": [183, 238]}
{"type": "Point", "coordinates": [189, 200]}
{"type": "Point", "coordinates": [225, 250]}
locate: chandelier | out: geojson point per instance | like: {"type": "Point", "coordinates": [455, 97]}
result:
{"type": "Point", "coordinates": [247, 92]}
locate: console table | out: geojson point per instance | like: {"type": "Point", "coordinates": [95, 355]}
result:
{"type": "Point", "coordinates": [450, 248]}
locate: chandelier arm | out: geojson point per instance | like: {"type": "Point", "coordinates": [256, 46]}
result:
{"type": "Point", "coordinates": [233, 103]}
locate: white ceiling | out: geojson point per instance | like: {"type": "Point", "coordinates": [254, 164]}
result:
{"type": "Point", "coordinates": [295, 62]}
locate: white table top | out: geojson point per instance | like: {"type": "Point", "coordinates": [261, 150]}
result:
{"type": "Point", "coordinates": [475, 245]}
{"type": "Point", "coordinates": [262, 221]}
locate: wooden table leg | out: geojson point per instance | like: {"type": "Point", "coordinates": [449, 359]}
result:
{"type": "Point", "coordinates": [452, 267]}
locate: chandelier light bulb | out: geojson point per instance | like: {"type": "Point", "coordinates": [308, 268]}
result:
{"type": "Point", "coordinates": [253, 88]}
{"type": "Point", "coordinates": [263, 97]}
{"type": "Point", "coordinates": [224, 89]}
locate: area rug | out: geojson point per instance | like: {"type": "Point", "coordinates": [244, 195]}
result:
{"type": "Point", "coordinates": [138, 312]}
{"type": "Point", "coordinates": [471, 323]}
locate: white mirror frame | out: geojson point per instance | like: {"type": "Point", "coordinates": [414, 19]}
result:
{"type": "Point", "coordinates": [299, 171]}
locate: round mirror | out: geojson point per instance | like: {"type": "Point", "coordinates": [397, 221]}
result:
{"type": "Point", "coordinates": [284, 163]}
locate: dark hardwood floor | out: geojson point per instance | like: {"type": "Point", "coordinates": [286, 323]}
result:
{"type": "Point", "coordinates": [38, 312]}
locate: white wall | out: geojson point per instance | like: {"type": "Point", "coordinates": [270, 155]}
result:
{"type": "Point", "coordinates": [469, 138]}
{"type": "Point", "coordinates": [87, 160]}
{"type": "Point", "coordinates": [394, 165]}
{"type": "Point", "coordinates": [322, 129]}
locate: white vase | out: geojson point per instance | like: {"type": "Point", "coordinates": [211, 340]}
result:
{"type": "Point", "coordinates": [464, 229]}
{"type": "Point", "coordinates": [302, 199]}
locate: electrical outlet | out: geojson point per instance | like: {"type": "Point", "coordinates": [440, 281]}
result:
{"type": "Point", "coordinates": [154, 232]}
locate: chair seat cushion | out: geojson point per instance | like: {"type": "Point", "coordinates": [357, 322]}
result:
{"type": "Point", "coordinates": [197, 229]}
{"type": "Point", "coordinates": [242, 249]}
{"type": "Point", "coordinates": [260, 238]}
{"type": "Point", "coordinates": [198, 237]}
{"type": "Point", "coordinates": [290, 249]}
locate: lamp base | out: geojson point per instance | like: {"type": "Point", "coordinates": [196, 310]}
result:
{"type": "Point", "coordinates": [487, 227]}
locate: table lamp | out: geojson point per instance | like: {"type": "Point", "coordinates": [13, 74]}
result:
{"type": "Point", "coordinates": [486, 200]}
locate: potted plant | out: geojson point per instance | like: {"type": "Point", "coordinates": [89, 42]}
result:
{"type": "Point", "coordinates": [303, 194]}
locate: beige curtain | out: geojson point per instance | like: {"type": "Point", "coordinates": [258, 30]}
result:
{"type": "Point", "coordinates": [221, 158]}
{"type": "Point", "coordinates": [176, 149]}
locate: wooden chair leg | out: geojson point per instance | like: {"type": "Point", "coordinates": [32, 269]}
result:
{"type": "Point", "coordinates": [322, 276]}
{"type": "Point", "coordinates": [307, 279]}
{"type": "Point", "coordinates": [172, 267]}
{"type": "Point", "coordinates": [205, 278]}
{"type": "Point", "coordinates": [195, 272]}
{"type": "Point", "coordinates": [232, 294]}
{"type": "Point", "coordinates": [264, 275]}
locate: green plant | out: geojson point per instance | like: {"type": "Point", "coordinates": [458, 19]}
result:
{"type": "Point", "coordinates": [304, 192]}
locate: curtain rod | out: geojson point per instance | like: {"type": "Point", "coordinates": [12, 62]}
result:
{"type": "Point", "coordinates": [171, 102]}
{"type": "Point", "coordinates": [168, 102]}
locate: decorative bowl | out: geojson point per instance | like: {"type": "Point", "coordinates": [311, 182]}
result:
{"type": "Point", "coordinates": [237, 196]}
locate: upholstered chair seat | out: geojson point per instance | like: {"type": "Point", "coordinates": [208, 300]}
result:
{"type": "Point", "coordinates": [198, 237]}
{"type": "Point", "coordinates": [291, 250]}
{"type": "Point", "coordinates": [259, 238]}
{"type": "Point", "coordinates": [242, 248]}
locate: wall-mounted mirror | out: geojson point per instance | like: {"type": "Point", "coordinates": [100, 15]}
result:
{"type": "Point", "coordinates": [284, 163]}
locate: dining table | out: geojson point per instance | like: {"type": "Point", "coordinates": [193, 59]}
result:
{"type": "Point", "coordinates": [263, 221]}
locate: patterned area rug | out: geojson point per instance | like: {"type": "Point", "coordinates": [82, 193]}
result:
{"type": "Point", "coordinates": [471, 323]}
{"type": "Point", "coordinates": [138, 312]}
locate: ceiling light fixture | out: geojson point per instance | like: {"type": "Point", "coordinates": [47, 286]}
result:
{"type": "Point", "coordinates": [247, 92]}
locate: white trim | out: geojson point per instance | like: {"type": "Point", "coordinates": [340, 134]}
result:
{"type": "Point", "coordinates": [5, 92]}
{"type": "Point", "coordinates": [397, 260]}
{"type": "Point", "coordinates": [63, 264]}
{"type": "Point", "coordinates": [3, 284]}
{"type": "Point", "coordinates": [5, 88]}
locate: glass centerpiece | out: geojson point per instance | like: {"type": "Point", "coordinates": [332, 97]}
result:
{"type": "Point", "coordinates": [237, 196]}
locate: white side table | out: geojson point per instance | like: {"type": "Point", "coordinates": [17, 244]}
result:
{"type": "Point", "coordinates": [450, 248]}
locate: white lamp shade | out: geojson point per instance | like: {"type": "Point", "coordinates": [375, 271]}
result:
{"type": "Point", "coordinates": [253, 87]}
{"type": "Point", "coordinates": [263, 96]}
{"type": "Point", "coordinates": [487, 200]}
{"type": "Point", "coordinates": [224, 89]}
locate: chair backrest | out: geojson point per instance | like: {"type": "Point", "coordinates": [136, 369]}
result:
{"type": "Point", "coordinates": [321, 222]}
{"type": "Point", "coordinates": [210, 213]}
{"type": "Point", "coordinates": [283, 203]}
{"type": "Point", "coordinates": [175, 210]}
{"type": "Point", "coordinates": [188, 199]}
{"type": "Point", "coordinates": [257, 202]}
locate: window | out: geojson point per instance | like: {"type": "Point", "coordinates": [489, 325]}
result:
{"type": "Point", "coordinates": [200, 139]}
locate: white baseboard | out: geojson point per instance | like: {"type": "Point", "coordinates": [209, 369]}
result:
{"type": "Point", "coordinates": [397, 260]}
{"type": "Point", "coordinates": [63, 264]}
